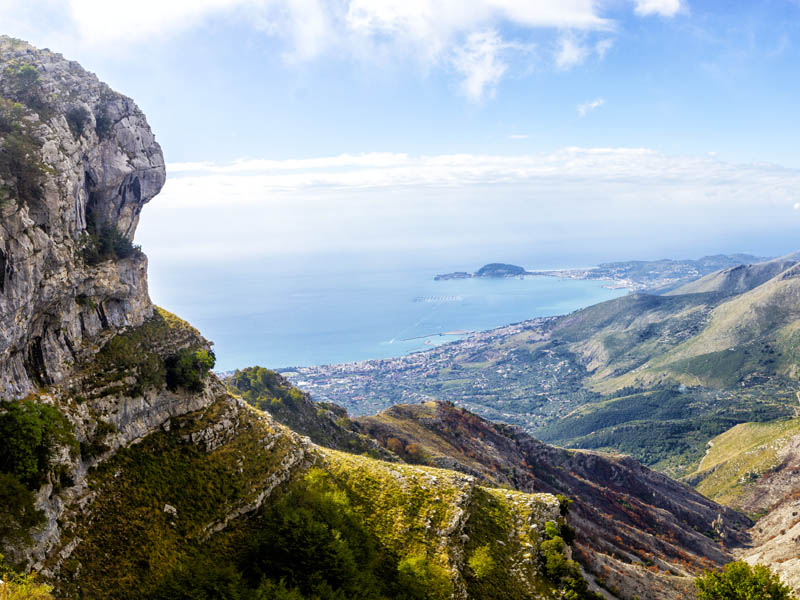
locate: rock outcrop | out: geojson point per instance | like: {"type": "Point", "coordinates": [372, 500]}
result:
{"type": "Point", "coordinates": [99, 164]}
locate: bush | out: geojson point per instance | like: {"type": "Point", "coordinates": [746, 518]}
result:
{"type": "Point", "coordinates": [564, 504]}
{"type": "Point", "coordinates": [560, 570]}
{"type": "Point", "coordinates": [20, 168]}
{"type": "Point", "coordinates": [202, 579]}
{"type": "Point", "coordinates": [188, 368]}
{"type": "Point", "coordinates": [312, 543]}
{"type": "Point", "coordinates": [22, 587]}
{"type": "Point", "coordinates": [29, 433]}
{"type": "Point", "coordinates": [17, 511]}
{"type": "Point", "coordinates": [103, 124]}
{"type": "Point", "coordinates": [481, 561]}
{"type": "Point", "coordinates": [423, 578]}
{"type": "Point", "coordinates": [106, 243]}
{"type": "Point", "coordinates": [740, 581]}
{"type": "Point", "coordinates": [77, 118]}
{"type": "Point", "coordinates": [131, 353]}
{"type": "Point", "coordinates": [25, 86]}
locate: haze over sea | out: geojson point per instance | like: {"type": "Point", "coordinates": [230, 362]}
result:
{"type": "Point", "coordinates": [275, 315]}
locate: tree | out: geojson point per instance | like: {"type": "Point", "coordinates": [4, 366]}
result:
{"type": "Point", "coordinates": [29, 433]}
{"type": "Point", "coordinates": [188, 368]}
{"type": "Point", "coordinates": [740, 581]}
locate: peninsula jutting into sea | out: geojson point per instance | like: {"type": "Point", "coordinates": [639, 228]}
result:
{"type": "Point", "coordinates": [639, 275]}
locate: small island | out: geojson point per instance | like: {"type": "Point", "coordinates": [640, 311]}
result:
{"type": "Point", "coordinates": [490, 271]}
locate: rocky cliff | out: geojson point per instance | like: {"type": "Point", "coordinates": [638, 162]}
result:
{"type": "Point", "coordinates": [79, 162]}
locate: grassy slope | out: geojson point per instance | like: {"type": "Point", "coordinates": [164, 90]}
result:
{"type": "Point", "coordinates": [326, 424]}
{"type": "Point", "coordinates": [738, 279]}
{"type": "Point", "coordinates": [157, 505]}
{"type": "Point", "coordinates": [738, 457]}
{"type": "Point", "coordinates": [737, 357]}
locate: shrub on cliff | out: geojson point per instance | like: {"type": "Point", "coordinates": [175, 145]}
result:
{"type": "Point", "coordinates": [188, 368]}
{"type": "Point", "coordinates": [106, 243]}
{"type": "Point", "coordinates": [29, 435]}
{"type": "Point", "coordinates": [740, 581]}
{"type": "Point", "coordinates": [21, 171]}
{"type": "Point", "coordinates": [17, 511]}
{"type": "Point", "coordinates": [16, 586]}
{"type": "Point", "coordinates": [77, 119]}
{"type": "Point", "coordinates": [559, 569]}
{"type": "Point", "coordinates": [25, 86]}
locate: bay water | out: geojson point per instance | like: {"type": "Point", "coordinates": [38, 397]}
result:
{"type": "Point", "coordinates": [281, 315]}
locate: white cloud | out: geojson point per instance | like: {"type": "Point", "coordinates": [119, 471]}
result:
{"type": "Point", "coordinates": [571, 52]}
{"type": "Point", "coordinates": [102, 22]}
{"type": "Point", "coordinates": [573, 49]}
{"type": "Point", "coordinates": [797, 205]}
{"type": "Point", "coordinates": [663, 8]}
{"type": "Point", "coordinates": [480, 61]}
{"type": "Point", "coordinates": [587, 107]}
{"type": "Point", "coordinates": [398, 202]}
{"type": "Point", "coordinates": [462, 36]}
{"type": "Point", "coordinates": [602, 47]}
{"type": "Point", "coordinates": [518, 136]}
{"type": "Point", "coordinates": [382, 170]}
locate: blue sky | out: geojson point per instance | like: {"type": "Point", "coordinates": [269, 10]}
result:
{"type": "Point", "coordinates": [625, 128]}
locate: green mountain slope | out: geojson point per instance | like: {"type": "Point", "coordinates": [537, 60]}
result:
{"type": "Point", "coordinates": [738, 458]}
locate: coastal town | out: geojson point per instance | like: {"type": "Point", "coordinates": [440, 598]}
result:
{"type": "Point", "coordinates": [472, 372]}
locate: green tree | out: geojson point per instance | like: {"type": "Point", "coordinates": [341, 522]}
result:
{"type": "Point", "coordinates": [421, 577]}
{"type": "Point", "coordinates": [188, 368]}
{"type": "Point", "coordinates": [20, 168]}
{"type": "Point", "coordinates": [29, 433]}
{"type": "Point", "coordinates": [18, 514]}
{"type": "Point", "coordinates": [740, 581]}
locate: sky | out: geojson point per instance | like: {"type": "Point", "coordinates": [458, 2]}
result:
{"type": "Point", "coordinates": [551, 132]}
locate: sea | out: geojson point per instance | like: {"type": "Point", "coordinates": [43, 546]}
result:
{"type": "Point", "coordinates": [277, 315]}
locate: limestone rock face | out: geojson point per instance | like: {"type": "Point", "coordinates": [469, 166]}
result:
{"type": "Point", "coordinates": [100, 164]}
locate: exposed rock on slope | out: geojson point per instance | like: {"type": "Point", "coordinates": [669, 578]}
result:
{"type": "Point", "coordinates": [97, 164]}
{"type": "Point", "coordinates": [627, 517]}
